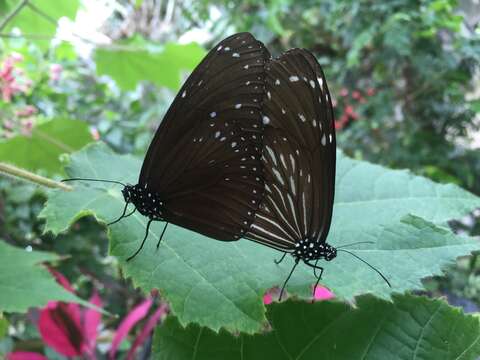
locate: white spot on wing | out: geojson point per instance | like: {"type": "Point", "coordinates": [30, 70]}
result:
{"type": "Point", "coordinates": [184, 93]}
{"type": "Point", "coordinates": [302, 117]}
{"type": "Point", "coordinates": [238, 106]}
{"type": "Point", "coordinates": [236, 55]}
{"type": "Point", "coordinates": [277, 82]}
{"type": "Point", "coordinates": [265, 120]}
{"type": "Point", "coordinates": [312, 84]}
{"type": "Point", "coordinates": [246, 67]}
{"type": "Point", "coordinates": [324, 140]}
{"type": "Point", "coordinates": [227, 49]}
{"type": "Point", "coordinates": [213, 114]}
{"type": "Point", "coordinates": [293, 78]}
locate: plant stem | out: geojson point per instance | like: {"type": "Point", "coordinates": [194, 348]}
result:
{"type": "Point", "coordinates": [10, 16]}
{"type": "Point", "coordinates": [17, 173]}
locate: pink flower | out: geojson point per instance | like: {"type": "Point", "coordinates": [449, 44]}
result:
{"type": "Point", "coordinates": [68, 328]}
{"type": "Point", "coordinates": [55, 72]}
{"type": "Point", "coordinates": [370, 91]}
{"type": "Point", "coordinates": [95, 133]}
{"type": "Point", "coordinates": [27, 126]}
{"type": "Point", "coordinates": [25, 355]}
{"type": "Point", "coordinates": [16, 57]}
{"type": "Point", "coordinates": [356, 95]}
{"type": "Point", "coordinates": [343, 92]}
{"type": "Point", "coordinates": [26, 111]}
{"type": "Point", "coordinates": [9, 85]}
{"type": "Point", "coordinates": [322, 293]}
{"type": "Point", "coordinates": [267, 298]}
{"type": "Point", "coordinates": [138, 313]}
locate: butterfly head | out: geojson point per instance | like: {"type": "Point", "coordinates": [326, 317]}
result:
{"type": "Point", "coordinates": [309, 249]}
{"type": "Point", "coordinates": [148, 203]}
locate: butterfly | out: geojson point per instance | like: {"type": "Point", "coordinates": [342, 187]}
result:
{"type": "Point", "coordinates": [203, 168]}
{"type": "Point", "coordinates": [299, 156]}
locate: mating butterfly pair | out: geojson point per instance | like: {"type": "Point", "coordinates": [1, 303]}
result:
{"type": "Point", "coordinates": [247, 149]}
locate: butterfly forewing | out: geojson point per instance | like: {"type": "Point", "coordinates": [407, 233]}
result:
{"type": "Point", "coordinates": [299, 154]}
{"type": "Point", "coordinates": [205, 159]}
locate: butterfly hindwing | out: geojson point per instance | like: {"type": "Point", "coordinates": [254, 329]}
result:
{"type": "Point", "coordinates": [299, 154]}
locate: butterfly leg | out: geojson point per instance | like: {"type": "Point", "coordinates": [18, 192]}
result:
{"type": "Point", "coordinates": [281, 259]}
{"type": "Point", "coordinates": [161, 236]}
{"type": "Point", "coordinates": [121, 216]}
{"type": "Point", "coordinates": [143, 241]}
{"type": "Point", "coordinates": [288, 278]}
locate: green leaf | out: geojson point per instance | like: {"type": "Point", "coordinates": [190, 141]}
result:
{"type": "Point", "coordinates": [3, 326]}
{"type": "Point", "coordinates": [42, 150]}
{"type": "Point", "coordinates": [25, 283]}
{"type": "Point", "coordinates": [409, 328]}
{"type": "Point", "coordinates": [395, 210]}
{"type": "Point", "coordinates": [163, 68]}
{"type": "Point", "coordinates": [40, 18]}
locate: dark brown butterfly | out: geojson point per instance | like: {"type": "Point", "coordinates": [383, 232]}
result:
{"type": "Point", "coordinates": [203, 169]}
{"type": "Point", "coordinates": [299, 162]}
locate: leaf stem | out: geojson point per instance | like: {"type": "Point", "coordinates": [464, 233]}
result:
{"type": "Point", "coordinates": [18, 173]}
{"type": "Point", "coordinates": [14, 12]}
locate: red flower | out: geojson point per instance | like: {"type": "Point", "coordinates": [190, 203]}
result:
{"type": "Point", "coordinates": [356, 95]}
{"type": "Point", "coordinates": [343, 92]}
{"type": "Point", "coordinates": [68, 328]}
{"type": "Point", "coordinates": [350, 112]}
{"type": "Point", "coordinates": [370, 91]}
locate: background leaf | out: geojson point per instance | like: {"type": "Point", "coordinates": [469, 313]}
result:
{"type": "Point", "coordinates": [24, 283]}
{"type": "Point", "coordinates": [163, 68]}
{"type": "Point", "coordinates": [30, 21]}
{"type": "Point", "coordinates": [409, 328]}
{"type": "Point", "coordinates": [42, 149]}
{"type": "Point", "coordinates": [196, 274]}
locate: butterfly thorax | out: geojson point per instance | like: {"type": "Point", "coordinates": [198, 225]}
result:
{"type": "Point", "coordinates": [309, 249]}
{"type": "Point", "coordinates": [147, 202]}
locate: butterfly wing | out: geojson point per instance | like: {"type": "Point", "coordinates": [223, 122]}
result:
{"type": "Point", "coordinates": [299, 154]}
{"type": "Point", "coordinates": [205, 157]}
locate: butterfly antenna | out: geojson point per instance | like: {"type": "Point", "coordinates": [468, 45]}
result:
{"type": "Point", "coordinates": [288, 278]}
{"type": "Point", "coordinates": [355, 243]}
{"type": "Point", "coordinates": [161, 236]}
{"type": "Point", "coordinates": [99, 180]}
{"type": "Point", "coordinates": [143, 241]}
{"type": "Point", "coordinates": [371, 266]}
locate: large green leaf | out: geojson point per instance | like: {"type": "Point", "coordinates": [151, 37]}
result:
{"type": "Point", "coordinates": [25, 283]}
{"type": "Point", "coordinates": [409, 328]}
{"type": "Point", "coordinates": [40, 17]}
{"type": "Point", "coordinates": [42, 149]}
{"type": "Point", "coordinates": [163, 68]}
{"type": "Point", "coordinates": [394, 209]}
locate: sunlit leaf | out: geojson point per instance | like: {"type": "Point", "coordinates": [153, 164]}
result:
{"type": "Point", "coordinates": [163, 68]}
{"type": "Point", "coordinates": [42, 149]}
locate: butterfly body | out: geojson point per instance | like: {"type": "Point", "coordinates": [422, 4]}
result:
{"type": "Point", "coordinates": [309, 250]}
{"type": "Point", "coordinates": [148, 203]}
